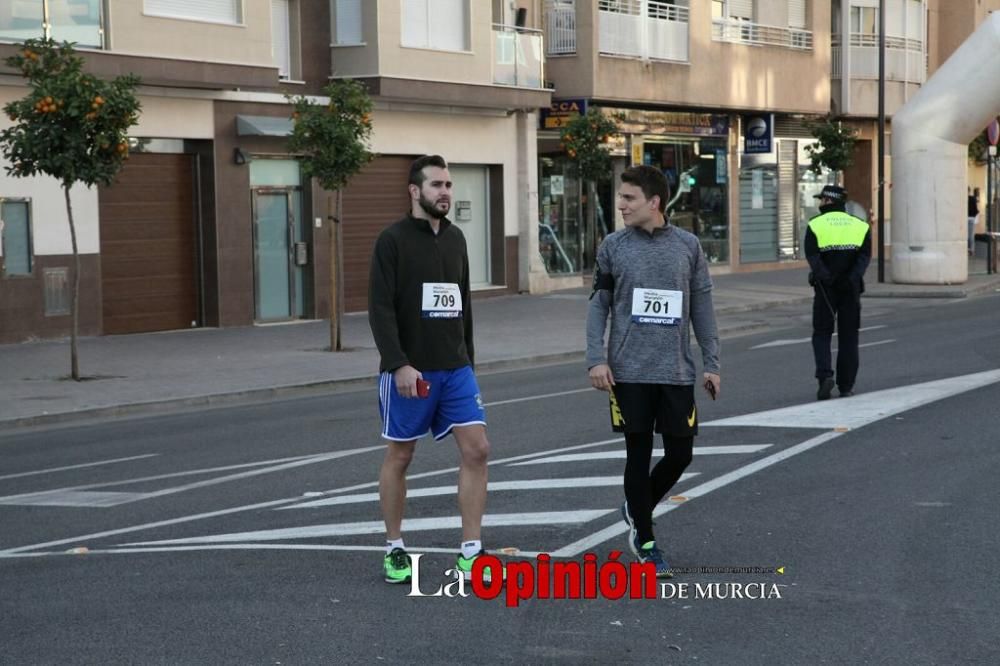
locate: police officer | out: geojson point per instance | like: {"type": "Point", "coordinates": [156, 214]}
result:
{"type": "Point", "coordinates": [838, 248]}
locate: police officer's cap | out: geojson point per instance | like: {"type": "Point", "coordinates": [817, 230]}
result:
{"type": "Point", "coordinates": [834, 193]}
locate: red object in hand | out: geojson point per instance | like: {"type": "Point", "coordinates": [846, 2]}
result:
{"type": "Point", "coordinates": [423, 388]}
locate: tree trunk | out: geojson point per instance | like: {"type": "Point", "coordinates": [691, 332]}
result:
{"type": "Point", "coordinates": [336, 265]}
{"type": "Point", "coordinates": [74, 360]}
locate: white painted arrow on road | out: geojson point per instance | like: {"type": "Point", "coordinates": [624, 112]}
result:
{"type": "Point", "coordinates": [864, 408]}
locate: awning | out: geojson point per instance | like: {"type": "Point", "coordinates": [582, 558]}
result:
{"type": "Point", "coordinates": [263, 126]}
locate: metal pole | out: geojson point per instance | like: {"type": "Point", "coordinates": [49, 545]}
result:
{"type": "Point", "coordinates": [881, 141]}
{"type": "Point", "coordinates": [990, 267]}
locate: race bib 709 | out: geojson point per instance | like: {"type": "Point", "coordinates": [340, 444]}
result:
{"type": "Point", "coordinates": [441, 300]}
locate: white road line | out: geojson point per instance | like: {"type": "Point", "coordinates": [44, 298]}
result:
{"type": "Point", "coordinates": [269, 504]}
{"type": "Point", "coordinates": [863, 409]}
{"type": "Point", "coordinates": [492, 486]}
{"type": "Point", "coordinates": [172, 521]}
{"type": "Point", "coordinates": [798, 341]}
{"type": "Point", "coordinates": [619, 528]}
{"type": "Point", "coordinates": [77, 498]}
{"type": "Point", "coordinates": [538, 397]}
{"type": "Point", "coordinates": [378, 527]}
{"type": "Point", "coordinates": [257, 546]}
{"type": "Point", "coordinates": [870, 344]}
{"type": "Point", "coordinates": [80, 466]}
{"type": "Point", "coordinates": [621, 454]}
{"type": "Point", "coordinates": [501, 461]}
{"type": "Point", "coordinates": [158, 477]}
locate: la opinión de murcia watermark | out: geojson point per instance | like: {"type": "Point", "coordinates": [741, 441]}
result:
{"type": "Point", "coordinates": [613, 579]}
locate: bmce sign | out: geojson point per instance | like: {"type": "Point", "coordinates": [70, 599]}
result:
{"type": "Point", "coordinates": [758, 133]}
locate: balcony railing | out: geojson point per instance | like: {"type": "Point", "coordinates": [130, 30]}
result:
{"type": "Point", "coordinates": [560, 27]}
{"type": "Point", "coordinates": [905, 59]}
{"type": "Point", "coordinates": [649, 29]}
{"type": "Point", "coordinates": [746, 32]}
{"type": "Point", "coordinates": [517, 57]}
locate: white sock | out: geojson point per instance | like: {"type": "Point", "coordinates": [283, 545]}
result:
{"type": "Point", "coordinates": [470, 548]}
{"type": "Point", "coordinates": [394, 543]}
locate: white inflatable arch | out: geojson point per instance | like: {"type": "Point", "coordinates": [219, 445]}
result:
{"type": "Point", "coordinates": [930, 138]}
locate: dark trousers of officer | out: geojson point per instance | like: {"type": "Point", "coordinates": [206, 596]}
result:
{"type": "Point", "coordinates": [843, 306]}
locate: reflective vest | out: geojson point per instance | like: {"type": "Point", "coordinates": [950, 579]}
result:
{"type": "Point", "coordinates": [838, 230]}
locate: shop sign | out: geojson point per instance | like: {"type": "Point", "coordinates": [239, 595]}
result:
{"type": "Point", "coordinates": [635, 121]}
{"type": "Point", "coordinates": [758, 134]}
{"type": "Point", "coordinates": [561, 112]}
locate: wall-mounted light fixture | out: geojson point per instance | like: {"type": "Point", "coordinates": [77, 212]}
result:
{"type": "Point", "coordinates": [239, 157]}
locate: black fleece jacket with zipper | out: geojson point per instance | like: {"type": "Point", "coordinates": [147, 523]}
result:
{"type": "Point", "coordinates": [407, 255]}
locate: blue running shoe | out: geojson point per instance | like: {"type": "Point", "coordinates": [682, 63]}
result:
{"type": "Point", "coordinates": [632, 532]}
{"type": "Point", "coordinates": [648, 552]}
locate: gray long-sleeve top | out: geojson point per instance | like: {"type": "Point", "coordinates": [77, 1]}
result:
{"type": "Point", "coordinates": [668, 259]}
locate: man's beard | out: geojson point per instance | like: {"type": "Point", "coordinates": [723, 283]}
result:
{"type": "Point", "coordinates": [428, 207]}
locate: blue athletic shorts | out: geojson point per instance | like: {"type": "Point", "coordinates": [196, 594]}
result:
{"type": "Point", "coordinates": [453, 401]}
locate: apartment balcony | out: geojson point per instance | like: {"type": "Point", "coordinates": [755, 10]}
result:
{"type": "Point", "coordinates": [560, 27]}
{"type": "Point", "coordinates": [81, 22]}
{"type": "Point", "coordinates": [663, 53]}
{"type": "Point", "coordinates": [905, 59]}
{"type": "Point", "coordinates": [647, 29]}
{"type": "Point", "coordinates": [755, 34]}
{"type": "Point", "coordinates": [517, 57]}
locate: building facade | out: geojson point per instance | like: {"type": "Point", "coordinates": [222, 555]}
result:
{"type": "Point", "coordinates": [210, 223]}
{"type": "Point", "coordinates": [702, 90]}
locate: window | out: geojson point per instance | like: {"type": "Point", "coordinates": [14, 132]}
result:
{"type": "Point", "coordinates": [436, 24]}
{"type": "Point", "coordinates": [740, 9]}
{"type": "Point", "coordinates": [79, 21]}
{"type": "Point", "coordinates": [797, 14]}
{"type": "Point", "coordinates": [281, 38]}
{"type": "Point", "coordinates": [15, 237]}
{"type": "Point", "coordinates": [213, 11]}
{"type": "Point", "coordinates": [864, 20]}
{"type": "Point", "coordinates": [347, 18]}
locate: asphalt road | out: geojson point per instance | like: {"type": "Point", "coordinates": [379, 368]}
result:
{"type": "Point", "coordinates": [249, 535]}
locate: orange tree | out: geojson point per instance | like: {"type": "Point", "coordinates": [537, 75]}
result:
{"type": "Point", "coordinates": [331, 141]}
{"type": "Point", "coordinates": [71, 126]}
{"type": "Point", "coordinates": [586, 142]}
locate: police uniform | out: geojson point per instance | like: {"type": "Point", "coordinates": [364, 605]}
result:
{"type": "Point", "coordinates": [838, 248]}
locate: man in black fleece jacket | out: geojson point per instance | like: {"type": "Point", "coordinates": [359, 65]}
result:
{"type": "Point", "coordinates": [419, 309]}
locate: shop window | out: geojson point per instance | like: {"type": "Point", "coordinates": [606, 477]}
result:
{"type": "Point", "coordinates": [697, 170]}
{"type": "Point", "coordinates": [15, 236]}
{"type": "Point", "coordinates": [560, 229]}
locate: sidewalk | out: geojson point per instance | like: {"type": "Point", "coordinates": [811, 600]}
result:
{"type": "Point", "coordinates": [153, 372]}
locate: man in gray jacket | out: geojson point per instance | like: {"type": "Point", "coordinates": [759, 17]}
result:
{"type": "Point", "coordinates": [652, 279]}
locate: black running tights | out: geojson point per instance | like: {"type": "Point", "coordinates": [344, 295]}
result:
{"type": "Point", "coordinates": [645, 489]}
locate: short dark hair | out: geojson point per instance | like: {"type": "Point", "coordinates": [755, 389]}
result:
{"type": "Point", "coordinates": [651, 181]}
{"type": "Point", "coordinates": [417, 168]}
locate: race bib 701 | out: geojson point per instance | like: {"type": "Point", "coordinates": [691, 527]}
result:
{"type": "Point", "coordinates": [664, 307]}
{"type": "Point", "coordinates": [441, 300]}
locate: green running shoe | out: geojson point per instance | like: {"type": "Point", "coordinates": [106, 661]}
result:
{"type": "Point", "coordinates": [396, 566]}
{"type": "Point", "coordinates": [648, 552]}
{"type": "Point", "coordinates": [465, 564]}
